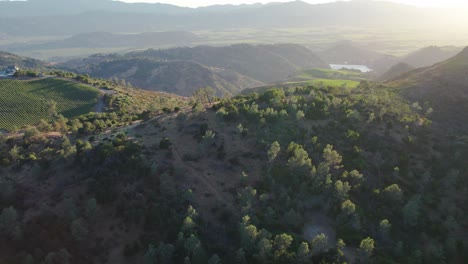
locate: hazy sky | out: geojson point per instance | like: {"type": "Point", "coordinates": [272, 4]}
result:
{"type": "Point", "coordinates": [195, 3]}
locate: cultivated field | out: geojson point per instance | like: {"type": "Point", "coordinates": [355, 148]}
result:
{"type": "Point", "coordinates": [25, 102]}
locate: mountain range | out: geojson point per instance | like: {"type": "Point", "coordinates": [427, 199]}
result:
{"type": "Point", "coordinates": [95, 40]}
{"type": "Point", "coordinates": [54, 17]}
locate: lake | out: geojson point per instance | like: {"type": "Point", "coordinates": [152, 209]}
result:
{"type": "Point", "coordinates": [362, 68]}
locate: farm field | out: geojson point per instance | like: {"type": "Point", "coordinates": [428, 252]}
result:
{"type": "Point", "coordinates": [330, 74]}
{"type": "Point", "coordinates": [24, 102]}
{"type": "Point", "coordinates": [327, 77]}
{"type": "Point", "coordinates": [332, 82]}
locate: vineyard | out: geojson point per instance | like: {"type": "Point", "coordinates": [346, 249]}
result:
{"type": "Point", "coordinates": [24, 102]}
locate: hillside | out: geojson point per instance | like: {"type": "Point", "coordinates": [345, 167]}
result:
{"type": "Point", "coordinates": [395, 71]}
{"type": "Point", "coordinates": [26, 102]}
{"type": "Point", "coordinates": [266, 63]}
{"type": "Point", "coordinates": [430, 55]}
{"type": "Point", "coordinates": [8, 59]}
{"type": "Point", "coordinates": [62, 97]}
{"type": "Point", "coordinates": [179, 77]}
{"type": "Point", "coordinates": [443, 85]}
{"type": "Point", "coordinates": [228, 69]}
{"type": "Point", "coordinates": [288, 175]}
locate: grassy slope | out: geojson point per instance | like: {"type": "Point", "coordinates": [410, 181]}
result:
{"type": "Point", "coordinates": [25, 102]}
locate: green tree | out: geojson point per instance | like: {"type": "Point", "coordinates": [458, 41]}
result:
{"type": "Point", "coordinates": [348, 207]}
{"type": "Point", "coordinates": [249, 235]}
{"type": "Point", "coordinates": [332, 157]}
{"type": "Point", "coordinates": [367, 246]}
{"type": "Point", "coordinates": [319, 243]}
{"type": "Point", "coordinates": [384, 229]}
{"type": "Point", "coordinates": [299, 158]}
{"type": "Point", "coordinates": [273, 152]}
{"type": "Point", "coordinates": [342, 189]}
{"type": "Point", "coordinates": [188, 225]}
{"type": "Point", "coordinates": [15, 154]}
{"type": "Point", "coordinates": [393, 193]}
{"type": "Point", "coordinates": [264, 249]}
{"type": "Point", "coordinates": [281, 244]}
{"type": "Point", "coordinates": [204, 95]}
{"type": "Point", "coordinates": [52, 109]}
{"type": "Point", "coordinates": [340, 245]}
{"type": "Point", "coordinates": [300, 115]}
{"type": "Point", "coordinates": [303, 252]}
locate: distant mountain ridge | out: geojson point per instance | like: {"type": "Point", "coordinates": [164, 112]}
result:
{"type": "Point", "coordinates": [54, 17]}
{"type": "Point", "coordinates": [110, 40]}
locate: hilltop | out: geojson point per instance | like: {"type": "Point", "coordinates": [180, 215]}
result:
{"type": "Point", "coordinates": [9, 59]}
{"type": "Point", "coordinates": [430, 55]}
